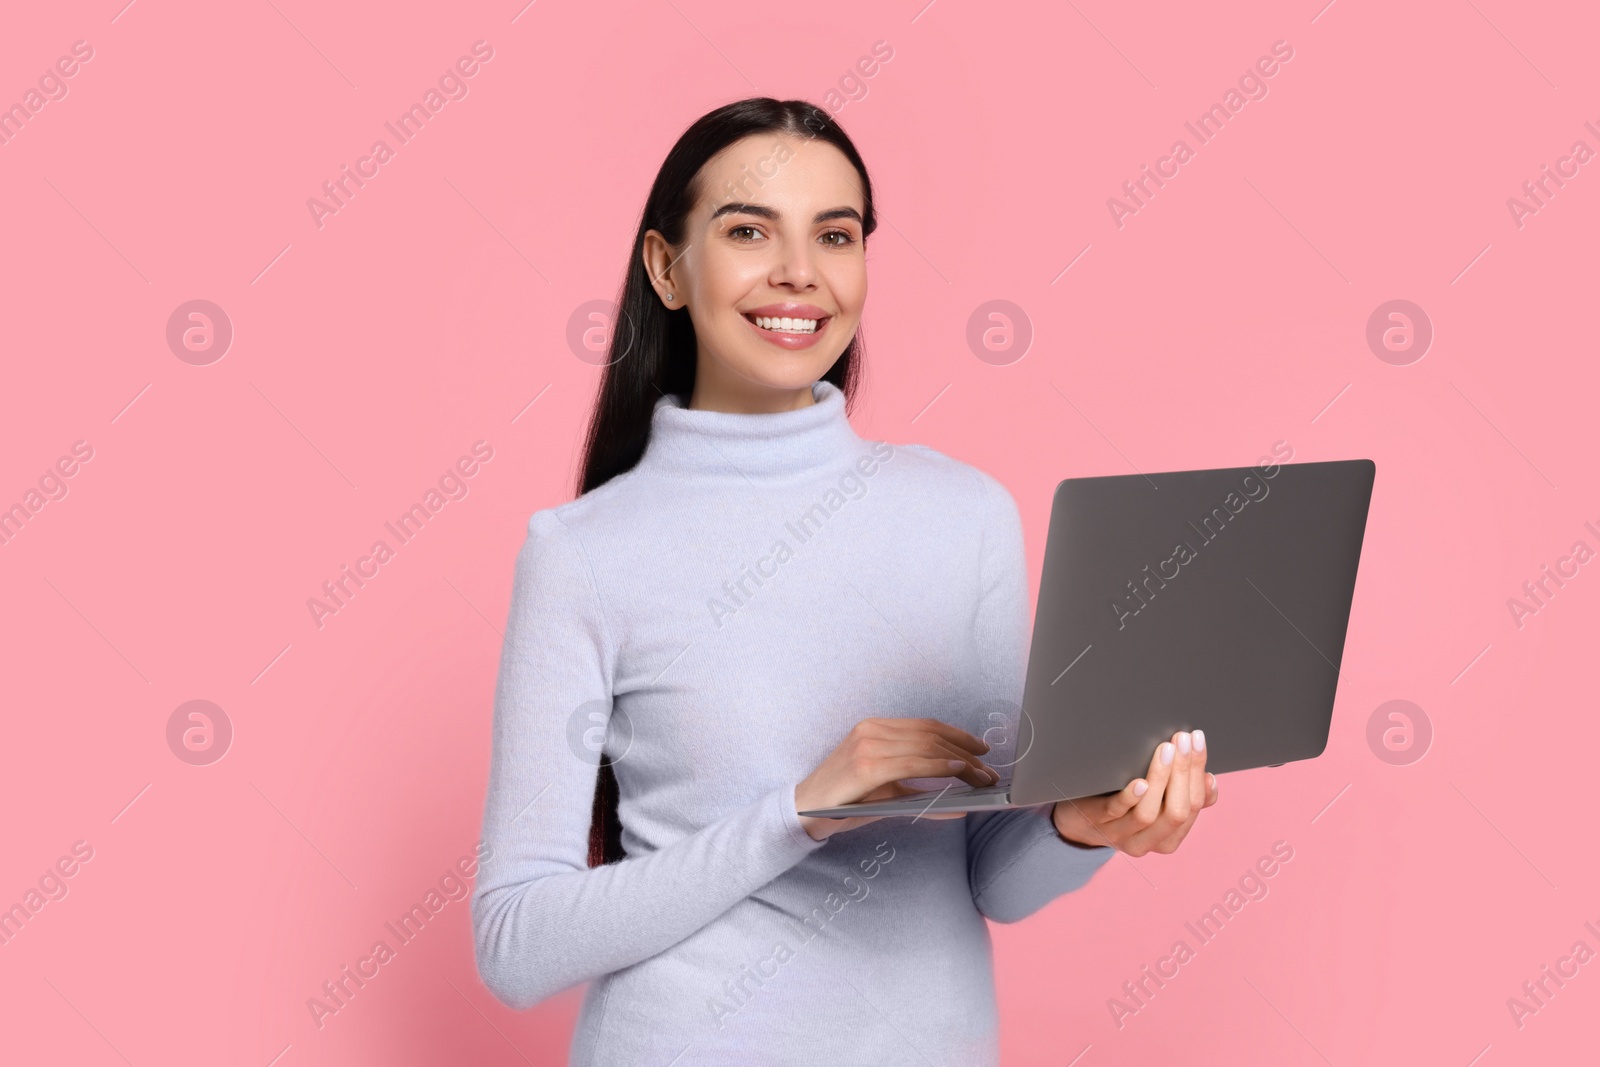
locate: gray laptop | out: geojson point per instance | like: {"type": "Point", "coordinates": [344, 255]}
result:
{"type": "Point", "coordinates": [1209, 599]}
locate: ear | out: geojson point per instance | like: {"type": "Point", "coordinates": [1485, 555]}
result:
{"type": "Point", "coordinates": [661, 265]}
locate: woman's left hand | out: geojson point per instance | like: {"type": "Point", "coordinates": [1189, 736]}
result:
{"type": "Point", "coordinates": [1153, 814]}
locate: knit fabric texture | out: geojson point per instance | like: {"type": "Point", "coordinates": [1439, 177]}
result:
{"type": "Point", "coordinates": [715, 620]}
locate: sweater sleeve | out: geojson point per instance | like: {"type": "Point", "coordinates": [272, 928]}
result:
{"type": "Point", "coordinates": [542, 920]}
{"type": "Point", "coordinates": [1016, 861]}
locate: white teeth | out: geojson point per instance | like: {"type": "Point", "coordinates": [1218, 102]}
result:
{"type": "Point", "coordinates": [786, 325]}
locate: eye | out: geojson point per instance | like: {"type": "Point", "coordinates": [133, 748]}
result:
{"type": "Point", "coordinates": [846, 238]}
{"type": "Point", "coordinates": [738, 229]}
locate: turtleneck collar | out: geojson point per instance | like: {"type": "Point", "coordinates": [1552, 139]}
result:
{"type": "Point", "coordinates": [815, 437]}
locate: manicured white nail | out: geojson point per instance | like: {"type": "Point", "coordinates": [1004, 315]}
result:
{"type": "Point", "coordinates": [1183, 742]}
{"type": "Point", "coordinates": [957, 764]}
{"type": "Point", "coordinates": [1199, 740]}
{"type": "Point", "coordinates": [1166, 751]}
{"type": "Point", "coordinates": [1139, 788]}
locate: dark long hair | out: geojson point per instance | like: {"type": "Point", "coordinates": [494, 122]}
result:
{"type": "Point", "coordinates": [652, 350]}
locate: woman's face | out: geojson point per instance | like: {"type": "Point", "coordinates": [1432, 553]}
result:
{"type": "Point", "coordinates": [776, 234]}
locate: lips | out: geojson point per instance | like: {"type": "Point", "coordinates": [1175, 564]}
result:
{"type": "Point", "coordinates": [772, 313]}
{"type": "Point", "coordinates": [787, 310]}
{"type": "Point", "coordinates": [821, 320]}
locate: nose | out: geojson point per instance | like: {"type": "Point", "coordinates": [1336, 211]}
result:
{"type": "Point", "coordinates": [794, 266]}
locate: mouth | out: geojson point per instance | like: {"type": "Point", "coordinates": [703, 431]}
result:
{"type": "Point", "coordinates": [786, 325]}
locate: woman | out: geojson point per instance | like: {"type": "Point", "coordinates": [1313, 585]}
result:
{"type": "Point", "coordinates": [762, 613]}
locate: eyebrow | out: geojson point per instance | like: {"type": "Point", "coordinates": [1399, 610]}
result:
{"type": "Point", "coordinates": [768, 213]}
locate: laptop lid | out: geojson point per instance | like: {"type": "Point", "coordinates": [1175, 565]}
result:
{"type": "Point", "coordinates": [1211, 599]}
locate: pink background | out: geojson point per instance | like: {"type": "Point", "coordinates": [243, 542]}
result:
{"type": "Point", "coordinates": [369, 354]}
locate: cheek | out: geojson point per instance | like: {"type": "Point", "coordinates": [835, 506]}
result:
{"type": "Point", "coordinates": [724, 280]}
{"type": "Point", "coordinates": [848, 281]}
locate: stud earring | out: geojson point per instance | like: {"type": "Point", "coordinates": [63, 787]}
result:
{"type": "Point", "coordinates": [669, 296]}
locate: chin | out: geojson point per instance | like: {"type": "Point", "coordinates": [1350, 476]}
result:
{"type": "Point", "coordinates": [787, 371]}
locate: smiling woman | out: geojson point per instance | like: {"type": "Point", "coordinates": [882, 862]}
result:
{"type": "Point", "coordinates": [802, 239]}
{"type": "Point", "coordinates": [658, 866]}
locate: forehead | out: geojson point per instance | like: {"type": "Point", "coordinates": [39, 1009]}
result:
{"type": "Point", "coordinates": [793, 174]}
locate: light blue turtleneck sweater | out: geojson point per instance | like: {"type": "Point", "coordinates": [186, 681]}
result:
{"type": "Point", "coordinates": [721, 615]}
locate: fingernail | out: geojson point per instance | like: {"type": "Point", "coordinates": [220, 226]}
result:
{"type": "Point", "coordinates": [1199, 740]}
{"type": "Point", "coordinates": [1183, 742]}
{"type": "Point", "coordinates": [956, 764]}
{"type": "Point", "coordinates": [1139, 787]}
{"type": "Point", "coordinates": [1166, 751]}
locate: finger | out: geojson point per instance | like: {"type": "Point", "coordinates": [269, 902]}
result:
{"type": "Point", "coordinates": [1177, 804]}
{"type": "Point", "coordinates": [1170, 843]}
{"type": "Point", "coordinates": [922, 743]}
{"type": "Point", "coordinates": [1119, 803]}
{"type": "Point", "coordinates": [925, 744]}
{"type": "Point", "coordinates": [1199, 784]}
{"type": "Point", "coordinates": [894, 768]}
{"type": "Point", "coordinates": [1147, 805]}
{"type": "Point", "coordinates": [951, 750]}
{"type": "Point", "coordinates": [1144, 813]}
{"type": "Point", "coordinates": [1174, 802]}
{"type": "Point", "coordinates": [954, 734]}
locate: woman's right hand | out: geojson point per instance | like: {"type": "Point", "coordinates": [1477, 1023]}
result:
{"type": "Point", "coordinates": [875, 755]}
